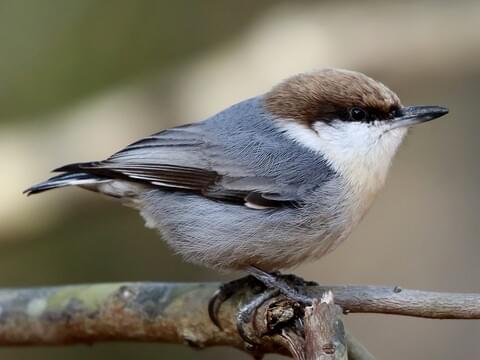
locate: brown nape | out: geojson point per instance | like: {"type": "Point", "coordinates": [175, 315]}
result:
{"type": "Point", "coordinates": [329, 94]}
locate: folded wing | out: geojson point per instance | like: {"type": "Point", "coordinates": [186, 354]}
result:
{"type": "Point", "coordinates": [186, 159]}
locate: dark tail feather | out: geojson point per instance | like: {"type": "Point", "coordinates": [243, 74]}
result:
{"type": "Point", "coordinates": [61, 181]}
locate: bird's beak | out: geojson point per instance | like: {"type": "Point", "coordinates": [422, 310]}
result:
{"type": "Point", "coordinates": [412, 115]}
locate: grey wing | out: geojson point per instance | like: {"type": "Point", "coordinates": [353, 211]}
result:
{"type": "Point", "coordinates": [186, 158]}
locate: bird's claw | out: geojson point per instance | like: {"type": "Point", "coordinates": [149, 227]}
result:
{"type": "Point", "coordinates": [265, 286]}
{"type": "Point", "coordinates": [247, 313]}
{"type": "Point", "coordinates": [227, 290]}
{"type": "Point", "coordinates": [289, 285]}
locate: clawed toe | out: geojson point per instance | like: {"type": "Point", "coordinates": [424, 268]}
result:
{"type": "Point", "coordinates": [247, 313]}
{"type": "Point", "coordinates": [289, 289]}
{"type": "Point", "coordinates": [289, 285]}
{"type": "Point", "coordinates": [227, 290]}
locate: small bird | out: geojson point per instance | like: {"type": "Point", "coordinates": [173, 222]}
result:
{"type": "Point", "coordinates": [268, 183]}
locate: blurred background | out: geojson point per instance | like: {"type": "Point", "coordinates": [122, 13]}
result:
{"type": "Point", "coordinates": [79, 79]}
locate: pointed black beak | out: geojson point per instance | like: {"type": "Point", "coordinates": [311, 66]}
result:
{"type": "Point", "coordinates": [412, 115]}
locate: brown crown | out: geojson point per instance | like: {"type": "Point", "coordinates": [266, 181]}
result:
{"type": "Point", "coordinates": [329, 94]}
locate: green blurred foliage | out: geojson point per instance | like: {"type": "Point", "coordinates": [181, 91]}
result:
{"type": "Point", "coordinates": [58, 51]}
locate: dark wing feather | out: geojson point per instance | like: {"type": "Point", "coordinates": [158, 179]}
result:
{"type": "Point", "coordinates": [181, 159]}
{"type": "Point", "coordinates": [205, 182]}
{"type": "Point", "coordinates": [156, 174]}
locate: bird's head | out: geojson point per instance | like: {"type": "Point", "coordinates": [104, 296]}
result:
{"type": "Point", "coordinates": [336, 97]}
{"type": "Point", "coordinates": [354, 121]}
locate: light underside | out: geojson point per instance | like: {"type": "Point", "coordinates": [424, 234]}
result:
{"type": "Point", "coordinates": [359, 152]}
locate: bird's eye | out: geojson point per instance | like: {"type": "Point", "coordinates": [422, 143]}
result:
{"type": "Point", "coordinates": [357, 114]}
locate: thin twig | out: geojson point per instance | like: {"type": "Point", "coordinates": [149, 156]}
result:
{"type": "Point", "coordinates": [398, 301]}
{"type": "Point", "coordinates": [356, 350]}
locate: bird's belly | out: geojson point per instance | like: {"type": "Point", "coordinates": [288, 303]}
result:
{"type": "Point", "coordinates": [226, 236]}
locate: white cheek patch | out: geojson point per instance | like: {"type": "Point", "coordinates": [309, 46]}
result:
{"type": "Point", "coordinates": [359, 152]}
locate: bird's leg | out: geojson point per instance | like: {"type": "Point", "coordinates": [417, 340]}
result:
{"type": "Point", "coordinates": [247, 313]}
{"type": "Point", "coordinates": [265, 287]}
{"type": "Point", "coordinates": [288, 285]}
{"type": "Point", "coordinates": [227, 290]}
{"type": "Point", "coordinates": [259, 281]}
{"type": "Point", "coordinates": [286, 302]}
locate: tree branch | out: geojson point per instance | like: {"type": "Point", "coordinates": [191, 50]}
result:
{"type": "Point", "coordinates": [398, 301]}
{"type": "Point", "coordinates": [319, 334]}
{"type": "Point", "coordinates": [356, 350]}
{"type": "Point", "coordinates": [324, 333]}
{"type": "Point", "coordinates": [177, 313]}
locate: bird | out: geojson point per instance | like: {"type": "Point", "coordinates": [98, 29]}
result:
{"type": "Point", "coordinates": [267, 184]}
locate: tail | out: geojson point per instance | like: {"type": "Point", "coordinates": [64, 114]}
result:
{"type": "Point", "coordinates": [89, 176]}
{"type": "Point", "coordinates": [62, 180]}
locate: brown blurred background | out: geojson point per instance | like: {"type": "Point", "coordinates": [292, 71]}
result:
{"type": "Point", "coordinates": [80, 79]}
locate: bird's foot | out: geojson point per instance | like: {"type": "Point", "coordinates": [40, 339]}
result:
{"type": "Point", "coordinates": [266, 287]}
{"type": "Point", "coordinates": [227, 290]}
{"type": "Point", "coordinates": [289, 285]}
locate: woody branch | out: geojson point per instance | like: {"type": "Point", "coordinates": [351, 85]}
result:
{"type": "Point", "coordinates": [177, 313]}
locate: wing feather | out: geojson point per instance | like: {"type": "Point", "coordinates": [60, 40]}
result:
{"type": "Point", "coordinates": [182, 159]}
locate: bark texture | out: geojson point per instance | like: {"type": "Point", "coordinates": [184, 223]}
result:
{"type": "Point", "coordinates": [177, 313]}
